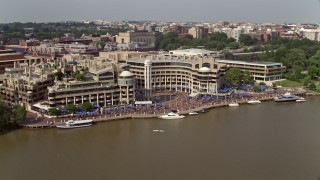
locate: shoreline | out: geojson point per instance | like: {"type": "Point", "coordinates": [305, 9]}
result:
{"type": "Point", "coordinates": [106, 118]}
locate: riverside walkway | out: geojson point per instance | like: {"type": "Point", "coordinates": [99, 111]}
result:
{"type": "Point", "coordinates": [184, 105]}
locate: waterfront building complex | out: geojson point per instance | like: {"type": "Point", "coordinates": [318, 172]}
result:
{"type": "Point", "coordinates": [191, 74]}
{"type": "Point", "coordinates": [117, 78]}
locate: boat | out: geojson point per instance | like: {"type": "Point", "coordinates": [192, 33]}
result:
{"type": "Point", "coordinates": [286, 97]}
{"type": "Point", "coordinates": [75, 124]}
{"type": "Point", "coordinates": [158, 130]}
{"type": "Point", "coordinates": [255, 101]}
{"type": "Point", "coordinates": [234, 104]}
{"type": "Point", "coordinates": [301, 99]}
{"type": "Point", "coordinates": [171, 115]}
{"type": "Point", "coordinates": [193, 113]}
{"type": "Point", "coordinates": [204, 110]}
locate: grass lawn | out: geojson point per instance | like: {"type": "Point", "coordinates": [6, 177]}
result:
{"type": "Point", "coordinates": [288, 83]}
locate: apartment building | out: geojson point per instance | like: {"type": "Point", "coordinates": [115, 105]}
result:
{"type": "Point", "coordinates": [25, 85]}
{"type": "Point", "coordinates": [105, 84]}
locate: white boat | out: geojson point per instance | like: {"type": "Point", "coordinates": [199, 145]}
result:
{"type": "Point", "coordinates": [286, 97]}
{"type": "Point", "coordinates": [301, 99]}
{"type": "Point", "coordinates": [171, 115]}
{"type": "Point", "coordinates": [193, 113]}
{"type": "Point", "coordinates": [255, 101]}
{"type": "Point", "coordinates": [234, 104]}
{"type": "Point", "coordinates": [158, 130]}
{"type": "Point", "coordinates": [75, 124]}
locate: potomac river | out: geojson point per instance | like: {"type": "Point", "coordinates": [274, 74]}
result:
{"type": "Point", "coordinates": [268, 141]}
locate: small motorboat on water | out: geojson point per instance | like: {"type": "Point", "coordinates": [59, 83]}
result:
{"type": "Point", "coordinates": [75, 124]}
{"type": "Point", "coordinates": [255, 101]}
{"type": "Point", "coordinates": [171, 115]}
{"type": "Point", "coordinates": [286, 97]}
{"type": "Point", "coordinates": [193, 113]}
{"type": "Point", "coordinates": [158, 130]}
{"type": "Point", "coordinates": [301, 99]}
{"type": "Point", "coordinates": [234, 104]}
{"type": "Point", "coordinates": [204, 110]}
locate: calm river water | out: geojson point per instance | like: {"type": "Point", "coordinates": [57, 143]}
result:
{"type": "Point", "coordinates": [269, 141]}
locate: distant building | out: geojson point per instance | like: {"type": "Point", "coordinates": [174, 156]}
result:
{"type": "Point", "coordinates": [136, 37]}
{"type": "Point", "coordinates": [198, 32]}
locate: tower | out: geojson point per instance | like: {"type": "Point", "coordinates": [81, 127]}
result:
{"type": "Point", "coordinates": [147, 78]}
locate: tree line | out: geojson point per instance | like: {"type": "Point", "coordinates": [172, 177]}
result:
{"type": "Point", "coordinates": [10, 117]}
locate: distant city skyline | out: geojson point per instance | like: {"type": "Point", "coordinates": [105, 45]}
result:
{"type": "Point", "coordinates": [255, 11]}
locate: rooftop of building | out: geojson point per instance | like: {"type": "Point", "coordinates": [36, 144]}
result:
{"type": "Point", "coordinates": [193, 50]}
{"type": "Point", "coordinates": [255, 63]}
{"type": "Point", "coordinates": [167, 58]}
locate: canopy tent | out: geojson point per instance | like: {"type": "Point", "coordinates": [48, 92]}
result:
{"type": "Point", "coordinates": [193, 94]}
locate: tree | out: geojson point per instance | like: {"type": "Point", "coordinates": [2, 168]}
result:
{"type": "Point", "coordinates": [262, 83]}
{"type": "Point", "coordinates": [5, 115]}
{"type": "Point", "coordinates": [102, 44]}
{"type": "Point", "coordinates": [79, 77]}
{"type": "Point", "coordinates": [233, 77]}
{"type": "Point", "coordinates": [313, 72]}
{"type": "Point", "coordinates": [256, 88]}
{"type": "Point", "coordinates": [59, 75]}
{"type": "Point", "coordinates": [312, 86]}
{"type": "Point", "coordinates": [247, 78]}
{"type": "Point", "coordinates": [53, 112]}
{"type": "Point", "coordinates": [306, 81]}
{"type": "Point", "coordinates": [71, 108]}
{"type": "Point", "coordinates": [87, 106]}
{"type": "Point", "coordinates": [20, 113]}
{"type": "Point", "coordinates": [234, 45]}
{"type": "Point", "coordinates": [247, 40]}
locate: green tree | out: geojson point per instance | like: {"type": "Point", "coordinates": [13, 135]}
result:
{"type": "Point", "coordinates": [306, 81]}
{"type": "Point", "coordinates": [87, 106]}
{"type": "Point", "coordinates": [79, 77]}
{"type": "Point", "coordinates": [234, 45]}
{"type": "Point", "coordinates": [59, 75]}
{"type": "Point", "coordinates": [53, 112]}
{"type": "Point", "coordinates": [247, 40]}
{"type": "Point", "coordinates": [247, 78]}
{"type": "Point", "coordinates": [6, 115]}
{"type": "Point", "coordinates": [102, 44]}
{"type": "Point", "coordinates": [71, 108]}
{"type": "Point", "coordinates": [20, 113]}
{"type": "Point", "coordinates": [312, 86]}
{"type": "Point", "coordinates": [256, 88]}
{"type": "Point", "coordinates": [313, 72]}
{"type": "Point", "coordinates": [233, 77]}
{"type": "Point", "coordinates": [262, 83]}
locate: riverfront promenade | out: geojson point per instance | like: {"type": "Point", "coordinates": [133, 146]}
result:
{"type": "Point", "coordinates": [181, 102]}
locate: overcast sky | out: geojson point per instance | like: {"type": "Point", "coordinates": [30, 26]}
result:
{"type": "Point", "coordinates": [255, 11]}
